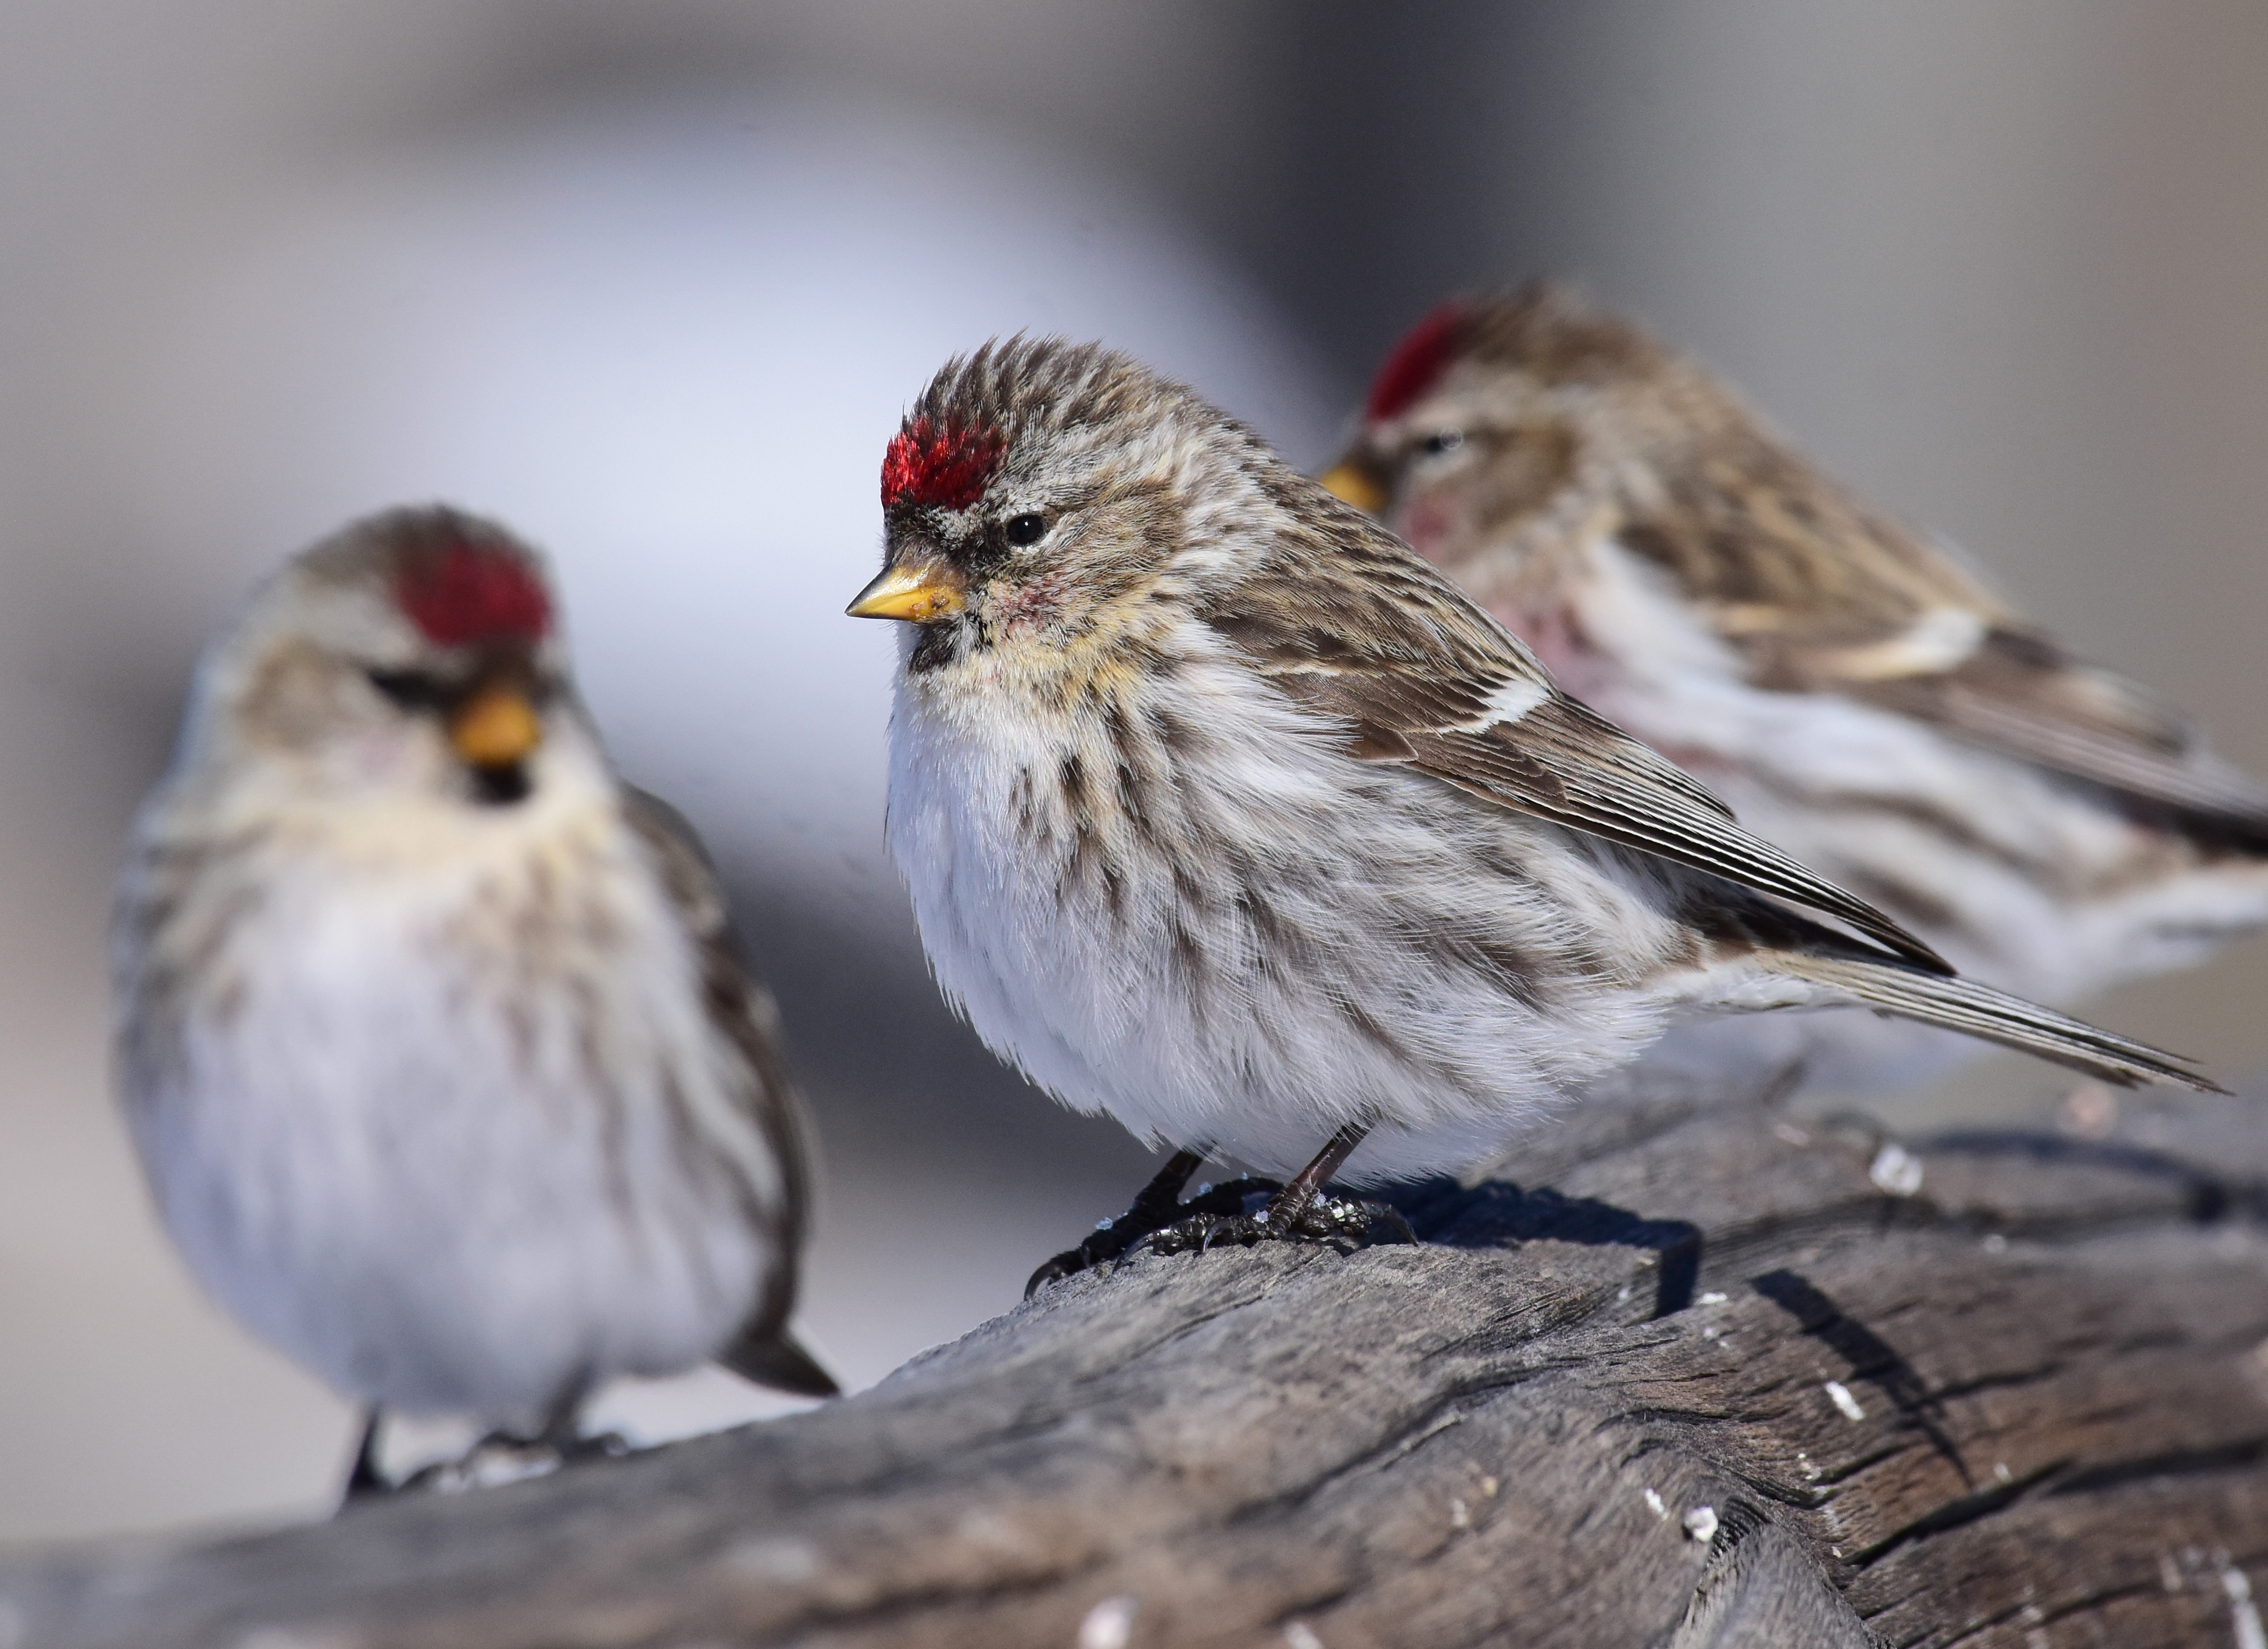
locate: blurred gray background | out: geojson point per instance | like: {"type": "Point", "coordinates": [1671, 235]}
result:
{"type": "Point", "coordinates": [652, 281]}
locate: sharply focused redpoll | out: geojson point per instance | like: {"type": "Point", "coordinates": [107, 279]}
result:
{"type": "Point", "coordinates": [441, 1070]}
{"type": "Point", "coordinates": [1226, 815]}
{"type": "Point", "coordinates": [1857, 696]}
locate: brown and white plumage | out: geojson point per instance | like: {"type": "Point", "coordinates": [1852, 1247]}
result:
{"type": "Point", "coordinates": [1858, 697]}
{"type": "Point", "coordinates": [1223, 814]}
{"type": "Point", "coordinates": [441, 1067]}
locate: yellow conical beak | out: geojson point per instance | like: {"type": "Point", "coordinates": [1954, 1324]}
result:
{"type": "Point", "coordinates": [496, 728]}
{"type": "Point", "coordinates": [1357, 484]}
{"type": "Point", "coordinates": [915, 591]}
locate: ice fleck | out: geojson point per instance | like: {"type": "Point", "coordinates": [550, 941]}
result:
{"type": "Point", "coordinates": [1489, 1486]}
{"type": "Point", "coordinates": [2243, 1614]}
{"type": "Point", "coordinates": [1701, 1523]}
{"type": "Point", "coordinates": [2000, 1472]}
{"type": "Point", "coordinates": [1654, 1505]}
{"type": "Point", "coordinates": [1110, 1624]}
{"type": "Point", "coordinates": [1299, 1635]}
{"type": "Point", "coordinates": [1710, 1298]}
{"type": "Point", "coordinates": [1105, 1222]}
{"type": "Point", "coordinates": [773, 1562]}
{"type": "Point", "coordinates": [491, 1467]}
{"type": "Point", "coordinates": [1459, 1517]}
{"type": "Point", "coordinates": [1839, 1394]}
{"type": "Point", "coordinates": [2090, 1111]}
{"type": "Point", "coordinates": [1995, 1243]}
{"type": "Point", "coordinates": [1895, 1170]}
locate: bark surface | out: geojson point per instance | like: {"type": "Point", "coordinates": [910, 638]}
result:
{"type": "Point", "coordinates": [1733, 1380]}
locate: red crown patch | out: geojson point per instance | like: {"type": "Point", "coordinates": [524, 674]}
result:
{"type": "Point", "coordinates": [943, 465]}
{"type": "Point", "coordinates": [1417, 363]}
{"type": "Point", "coordinates": [472, 592]}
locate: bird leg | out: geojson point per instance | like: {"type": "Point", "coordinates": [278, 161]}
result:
{"type": "Point", "coordinates": [1301, 1212]}
{"type": "Point", "coordinates": [1306, 1186]}
{"type": "Point", "coordinates": [367, 1479]}
{"type": "Point", "coordinates": [1156, 1206]}
{"type": "Point", "coordinates": [562, 1426]}
{"type": "Point", "coordinates": [564, 1435]}
{"type": "Point", "coordinates": [503, 1457]}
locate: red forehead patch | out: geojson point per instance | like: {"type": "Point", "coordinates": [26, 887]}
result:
{"type": "Point", "coordinates": [944, 465]}
{"type": "Point", "coordinates": [471, 592]}
{"type": "Point", "coordinates": [1417, 363]}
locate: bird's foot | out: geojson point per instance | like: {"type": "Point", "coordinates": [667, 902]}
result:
{"type": "Point", "coordinates": [1345, 1223]}
{"type": "Point", "coordinates": [597, 1446]}
{"type": "Point", "coordinates": [1150, 1214]}
{"type": "Point", "coordinates": [500, 1457]}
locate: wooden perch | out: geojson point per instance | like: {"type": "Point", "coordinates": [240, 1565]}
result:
{"type": "Point", "coordinates": [1724, 1385]}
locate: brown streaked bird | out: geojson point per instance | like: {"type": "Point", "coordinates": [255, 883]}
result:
{"type": "Point", "coordinates": [1226, 815]}
{"type": "Point", "coordinates": [1857, 696]}
{"type": "Point", "coordinates": [441, 1067]}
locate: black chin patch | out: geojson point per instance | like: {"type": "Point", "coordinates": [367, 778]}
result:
{"type": "Point", "coordinates": [940, 645]}
{"type": "Point", "coordinates": [502, 785]}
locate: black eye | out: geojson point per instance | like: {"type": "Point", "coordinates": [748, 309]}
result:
{"type": "Point", "coordinates": [409, 690]}
{"type": "Point", "coordinates": [1441, 441]}
{"type": "Point", "coordinates": [1022, 530]}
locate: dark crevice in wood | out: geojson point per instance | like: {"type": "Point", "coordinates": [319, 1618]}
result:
{"type": "Point", "coordinates": [1858, 1465]}
{"type": "Point", "coordinates": [2036, 1620]}
{"type": "Point", "coordinates": [2092, 1603]}
{"type": "Point", "coordinates": [1952, 1516]}
{"type": "Point", "coordinates": [2094, 1480]}
{"type": "Point", "coordinates": [2009, 1379]}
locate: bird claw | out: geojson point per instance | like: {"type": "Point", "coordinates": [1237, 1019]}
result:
{"type": "Point", "coordinates": [501, 1458]}
{"type": "Point", "coordinates": [1345, 1223]}
{"type": "Point", "coordinates": [1146, 1217]}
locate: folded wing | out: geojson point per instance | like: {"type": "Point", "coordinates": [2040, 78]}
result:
{"type": "Point", "coordinates": [1361, 631]}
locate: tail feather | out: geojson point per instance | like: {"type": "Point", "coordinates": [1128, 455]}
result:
{"type": "Point", "coordinates": [774, 1358]}
{"type": "Point", "coordinates": [1963, 1005]}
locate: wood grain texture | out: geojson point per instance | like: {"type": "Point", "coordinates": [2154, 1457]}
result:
{"type": "Point", "coordinates": [1717, 1386]}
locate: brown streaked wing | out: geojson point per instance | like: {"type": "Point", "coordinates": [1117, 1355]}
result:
{"type": "Point", "coordinates": [743, 1010]}
{"type": "Point", "coordinates": [1816, 593]}
{"type": "Point", "coordinates": [1773, 553]}
{"type": "Point", "coordinates": [2020, 694]}
{"type": "Point", "coordinates": [1360, 629]}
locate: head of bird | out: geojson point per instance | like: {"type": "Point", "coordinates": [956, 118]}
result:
{"type": "Point", "coordinates": [1045, 499]}
{"type": "Point", "coordinates": [1501, 427]}
{"type": "Point", "coordinates": [410, 660]}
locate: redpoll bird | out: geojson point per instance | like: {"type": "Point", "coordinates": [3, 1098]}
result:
{"type": "Point", "coordinates": [1858, 698]}
{"type": "Point", "coordinates": [1223, 814]}
{"type": "Point", "coordinates": [442, 1072]}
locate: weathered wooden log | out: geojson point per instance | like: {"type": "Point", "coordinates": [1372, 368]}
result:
{"type": "Point", "coordinates": [1735, 1380]}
